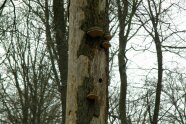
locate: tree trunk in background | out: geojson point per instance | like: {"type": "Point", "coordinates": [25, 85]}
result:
{"type": "Point", "coordinates": [154, 18]}
{"type": "Point", "coordinates": [122, 14]}
{"type": "Point", "coordinates": [123, 79]}
{"type": "Point", "coordinates": [87, 65]}
{"type": "Point", "coordinates": [126, 13]}
{"type": "Point", "coordinates": [160, 75]}
{"type": "Point", "coordinates": [60, 29]}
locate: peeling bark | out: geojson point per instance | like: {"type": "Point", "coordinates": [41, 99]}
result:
{"type": "Point", "coordinates": [87, 66]}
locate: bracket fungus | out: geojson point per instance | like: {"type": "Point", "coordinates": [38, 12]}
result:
{"type": "Point", "coordinates": [106, 44]}
{"type": "Point", "coordinates": [107, 36]}
{"type": "Point", "coordinates": [92, 96]}
{"type": "Point", "coordinates": [95, 32]}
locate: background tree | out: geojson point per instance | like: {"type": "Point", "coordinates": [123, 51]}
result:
{"type": "Point", "coordinates": [154, 11]}
{"type": "Point", "coordinates": [32, 89]}
{"type": "Point", "coordinates": [126, 12]}
{"type": "Point", "coordinates": [57, 36]}
{"type": "Point", "coordinates": [155, 14]}
{"type": "Point", "coordinates": [140, 101]}
{"type": "Point", "coordinates": [27, 91]}
{"type": "Point", "coordinates": [61, 38]}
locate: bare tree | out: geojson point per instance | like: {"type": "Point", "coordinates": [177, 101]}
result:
{"type": "Point", "coordinates": [153, 16]}
{"type": "Point", "coordinates": [28, 88]}
{"type": "Point", "coordinates": [174, 95]}
{"type": "Point", "coordinates": [126, 12]}
{"type": "Point", "coordinates": [57, 36]}
{"type": "Point", "coordinates": [61, 30]}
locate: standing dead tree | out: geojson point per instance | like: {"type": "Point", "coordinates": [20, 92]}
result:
{"type": "Point", "coordinates": [87, 63]}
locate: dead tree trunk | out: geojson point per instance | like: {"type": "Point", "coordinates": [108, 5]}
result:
{"type": "Point", "coordinates": [87, 63]}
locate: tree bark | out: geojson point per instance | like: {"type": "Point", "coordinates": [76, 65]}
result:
{"type": "Point", "coordinates": [87, 65]}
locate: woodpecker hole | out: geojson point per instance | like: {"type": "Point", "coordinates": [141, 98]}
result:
{"type": "Point", "coordinates": [100, 80]}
